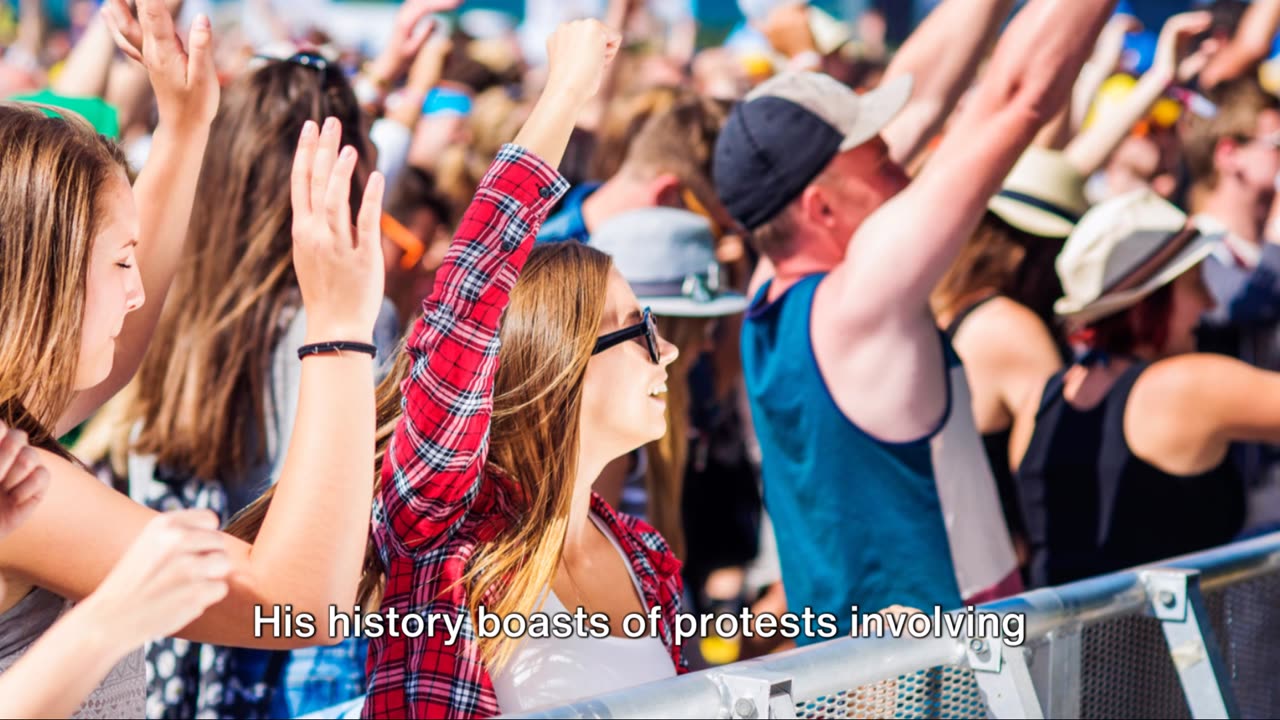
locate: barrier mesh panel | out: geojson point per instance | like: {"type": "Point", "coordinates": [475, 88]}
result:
{"type": "Point", "coordinates": [1246, 620]}
{"type": "Point", "coordinates": [940, 692]}
{"type": "Point", "coordinates": [1126, 671]}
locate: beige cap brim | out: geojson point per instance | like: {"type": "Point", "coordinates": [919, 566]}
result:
{"type": "Point", "coordinates": [874, 110]}
{"type": "Point", "coordinates": [1085, 313]}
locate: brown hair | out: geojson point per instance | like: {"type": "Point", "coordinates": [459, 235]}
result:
{"type": "Point", "coordinates": [202, 386]}
{"type": "Point", "coordinates": [680, 140]}
{"type": "Point", "coordinates": [54, 173]}
{"type": "Point", "coordinates": [623, 120]}
{"type": "Point", "coordinates": [547, 337]}
{"type": "Point", "coordinates": [1239, 103]}
{"type": "Point", "coordinates": [1144, 324]}
{"type": "Point", "coordinates": [1004, 260]}
{"type": "Point", "coordinates": [667, 456]}
{"type": "Point", "coordinates": [415, 189]}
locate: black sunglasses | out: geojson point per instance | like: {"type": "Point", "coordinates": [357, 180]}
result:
{"type": "Point", "coordinates": [646, 327]}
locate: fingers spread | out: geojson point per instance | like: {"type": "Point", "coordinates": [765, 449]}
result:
{"type": "Point", "coordinates": [200, 48]}
{"type": "Point", "coordinates": [300, 179]}
{"type": "Point", "coordinates": [369, 233]}
{"type": "Point", "coordinates": [337, 199]}
{"type": "Point", "coordinates": [124, 28]}
{"type": "Point", "coordinates": [325, 157]}
{"type": "Point", "coordinates": [157, 27]}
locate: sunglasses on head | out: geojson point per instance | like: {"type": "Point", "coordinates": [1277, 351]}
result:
{"type": "Point", "coordinates": [307, 59]}
{"type": "Point", "coordinates": [646, 328]}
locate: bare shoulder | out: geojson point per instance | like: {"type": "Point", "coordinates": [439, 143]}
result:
{"type": "Point", "coordinates": [989, 329]}
{"type": "Point", "coordinates": [81, 523]}
{"type": "Point", "coordinates": [1188, 381]}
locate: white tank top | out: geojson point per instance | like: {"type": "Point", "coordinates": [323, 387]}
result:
{"type": "Point", "coordinates": [547, 673]}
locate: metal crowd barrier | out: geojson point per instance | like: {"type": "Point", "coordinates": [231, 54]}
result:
{"type": "Point", "coordinates": [1192, 637]}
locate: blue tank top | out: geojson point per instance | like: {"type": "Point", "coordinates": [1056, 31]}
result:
{"type": "Point", "coordinates": [860, 521]}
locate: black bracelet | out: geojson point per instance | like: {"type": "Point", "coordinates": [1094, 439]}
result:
{"type": "Point", "coordinates": [338, 347]}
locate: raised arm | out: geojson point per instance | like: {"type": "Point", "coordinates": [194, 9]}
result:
{"type": "Point", "coordinates": [187, 93]}
{"type": "Point", "coordinates": [1091, 148]}
{"type": "Point", "coordinates": [1249, 46]}
{"type": "Point", "coordinates": [1188, 409]}
{"type": "Point", "coordinates": [942, 56]}
{"type": "Point", "coordinates": [901, 252]}
{"type": "Point", "coordinates": [1099, 66]}
{"type": "Point", "coordinates": [309, 550]}
{"type": "Point", "coordinates": [433, 468]}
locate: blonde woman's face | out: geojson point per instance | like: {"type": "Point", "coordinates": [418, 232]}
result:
{"type": "Point", "coordinates": [114, 285]}
{"type": "Point", "coordinates": [620, 409]}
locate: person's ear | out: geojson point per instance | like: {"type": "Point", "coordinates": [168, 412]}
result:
{"type": "Point", "coordinates": [815, 206]}
{"type": "Point", "coordinates": [664, 191]}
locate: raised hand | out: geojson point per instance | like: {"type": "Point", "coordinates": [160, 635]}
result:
{"type": "Point", "coordinates": [167, 578]}
{"type": "Point", "coordinates": [408, 34]}
{"type": "Point", "coordinates": [183, 77]}
{"type": "Point", "coordinates": [1173, 50]}
{"type": "Point", "coordinates": [578, 53]}
{"type": "Point", "coordinates": [339, 268]}
{"type": "Point", "coordinates": [787, 29]}
{"type": "Point", "coordinates": [23, 479]}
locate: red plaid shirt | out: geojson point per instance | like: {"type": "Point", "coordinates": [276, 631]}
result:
{"type": "Point", "coordinates": [437, 505]}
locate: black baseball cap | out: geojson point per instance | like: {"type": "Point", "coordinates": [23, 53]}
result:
{"type": "Point", "coordinates": [787, 130]}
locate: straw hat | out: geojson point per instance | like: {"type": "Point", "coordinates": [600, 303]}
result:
{"type": "Point", "coordinates": [1123, 250]}
{"type": "Point", "coordinates": [1043, 195]}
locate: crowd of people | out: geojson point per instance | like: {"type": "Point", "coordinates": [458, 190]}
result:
{"type": "Point", "coordinates": [635, 327]}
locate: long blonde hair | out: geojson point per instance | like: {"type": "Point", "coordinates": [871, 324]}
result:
{"type": "Point", "coordinates": [547, 337]}
{"type": "Point", "coordinates": [54, 172]}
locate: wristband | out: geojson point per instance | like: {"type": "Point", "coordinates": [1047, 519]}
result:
{"type": "Point", "coordinates": [338, 347]}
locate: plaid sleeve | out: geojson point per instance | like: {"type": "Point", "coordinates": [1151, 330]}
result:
{"type": "Point", "coordinates": [431, 476]}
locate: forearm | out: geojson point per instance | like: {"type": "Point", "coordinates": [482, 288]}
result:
{"type": "Point", "coordinates": [309, 551]}
{"type": "Point", "coordinates": [966, 28]}
{"type": "Point", "coordinates": [546, 133]}
{"type": "Point", "coordinates": [30, 26]}
{"type": "Point", "coordinates": [921, 230]}
{"type": "Point", "coordinates": [59, 671]}
{"type": "Point", "coordinates": [86, 70]}
{"type": "Point", "coordinates": [129, 92]}
{"type": "Point", "coordinates": [1089, 150]}
{"type": "Point", "coordinates": [1103, 60]}
{"type": "Point", "coordinates": [1056, 133]}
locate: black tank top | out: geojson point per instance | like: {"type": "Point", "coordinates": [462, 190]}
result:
{"type": "Point", "coordinates": [996, 444]}
{"type": "Point", "coordinates": [1092, 507]}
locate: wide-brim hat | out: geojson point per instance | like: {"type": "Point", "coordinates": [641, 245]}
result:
{"type": "Point", "coordinates": [1123, 250]}
{"type": "Point", "coordinates": [668, 257]}
{"type": "Point", "coordinates": [1043, 195]}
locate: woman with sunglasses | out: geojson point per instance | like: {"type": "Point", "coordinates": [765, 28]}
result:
{"type": "Point", "coordinates": [508, 401]}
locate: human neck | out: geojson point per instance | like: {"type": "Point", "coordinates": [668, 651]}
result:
{"type": "Point", "coordinates": [620, 194]}
{"type": "Point", "coordinates": [578, 533]}
{"type": "Point", "coordinates": [1242, 212]}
